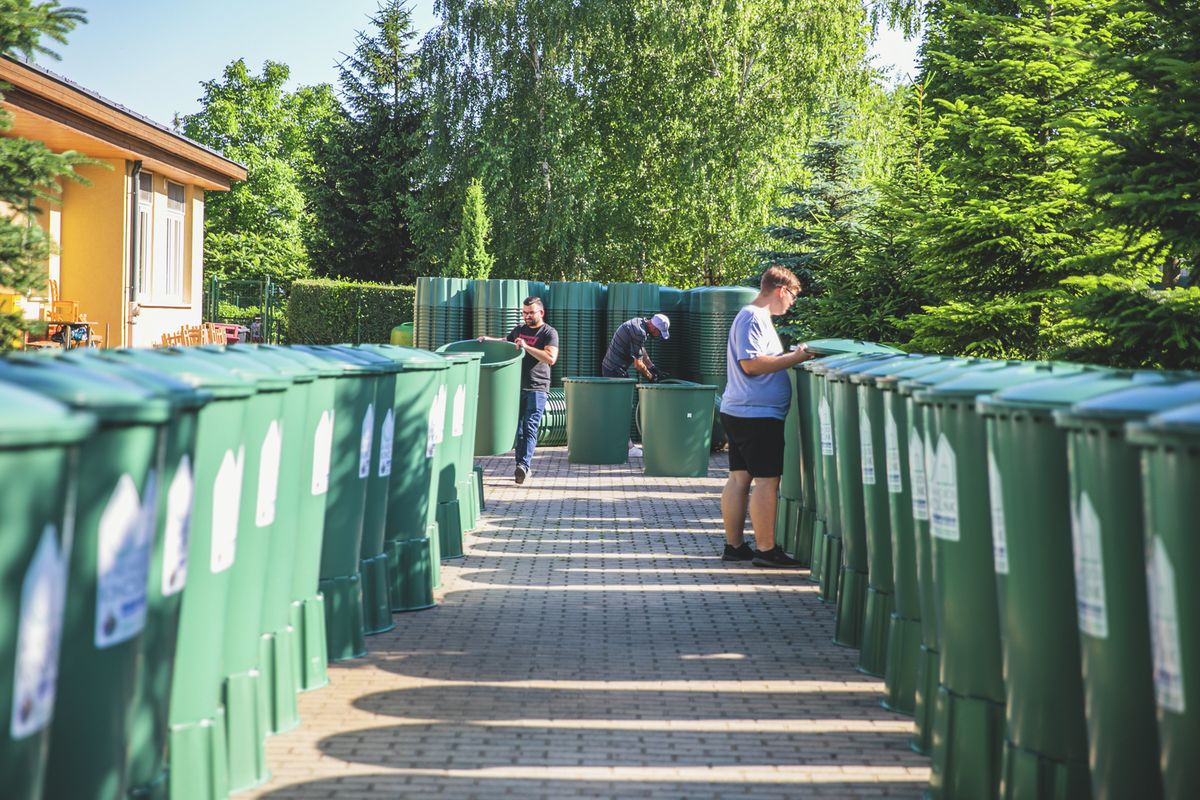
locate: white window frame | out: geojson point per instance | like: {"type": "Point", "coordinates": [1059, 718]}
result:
{"type": "Point", "coordinates": [169, 274]}
{"type": "Point", "coordinates": [145, 244]}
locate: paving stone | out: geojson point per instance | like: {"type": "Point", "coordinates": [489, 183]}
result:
{"type": "Point", "coordinates": [592, 644]}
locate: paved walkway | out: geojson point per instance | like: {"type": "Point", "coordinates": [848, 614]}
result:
{"type": "Point", "coordinates": [592, 645]}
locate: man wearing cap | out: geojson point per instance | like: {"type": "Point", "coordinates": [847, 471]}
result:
{"type": "Point", "coordinates": [628, 346]}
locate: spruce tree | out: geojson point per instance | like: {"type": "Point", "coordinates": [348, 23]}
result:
{"type": "Point", "coordinates": [470, 258]}
{"type": "Point", "coordinates": [30, 173]}
{"type": "Point", "coordinates": [364, 186]}
{"type": "Point", "coordinates": [1019, 106]}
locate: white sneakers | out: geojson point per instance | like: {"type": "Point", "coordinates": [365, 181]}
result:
{"type": "Point", "coordinates": [635, 452]}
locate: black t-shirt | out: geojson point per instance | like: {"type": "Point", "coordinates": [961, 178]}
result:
{"type": "Point", "coordinates": [534, 374]}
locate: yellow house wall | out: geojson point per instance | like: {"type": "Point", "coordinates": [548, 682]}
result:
{"type": "Point", "coordinates": [92, 251]}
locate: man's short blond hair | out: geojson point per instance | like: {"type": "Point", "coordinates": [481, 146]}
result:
{"type": "Point", "coordinates": [778, 276]}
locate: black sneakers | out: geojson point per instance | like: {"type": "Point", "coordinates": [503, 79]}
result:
{"type": "Point", "coordinates": [740, 553]}
{"type": "Point", "coordinates": [521, 473]}
{"type": "Point", "coordinates": [776, 558]}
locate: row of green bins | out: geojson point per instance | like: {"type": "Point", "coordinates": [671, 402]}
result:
{"type": "Point", "coordinates": [887, 419]}
{"type": "Point", "coordinates": [499, 395]}
{"type": "Point", "coordinates": [40, 443]}
{"type": "Point", "coordinates": [852, 595]}
{"type": "Point", "coordinates": [1046, 742]}
{"type": "Point", "coordinates": [456, 504]}
{"type": "Point", "coordinates": [410, 538]}
{"type": "Point", "coordinates": [676, 423]}
{"type": "Point", "coordinates": [1122, 681]}
{"type": "Point", "coordinates": [596, 419]}
{"type": "Point", "coordinates": [967, 718]}
{"type": "Point", "coordinates": [496, 305]}
{"type": "Point", "coordinates": [441, 311]}
{"type": "Point", "coordinates": [168, 575]}
{"type": "Point", "coordinates": [576, 310]}
{"type": "Point", "coordinates": [1170, 458]}
{"type": "Point", "coordinates": [789, 507]}
{"type": "Point", "coordinates": [553, 430]}
{"type": "Point", "coordinates": [105, 553]}
{"type": "Point", "coordinates": [920, 465]}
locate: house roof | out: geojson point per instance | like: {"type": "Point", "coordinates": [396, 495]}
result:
{"type": "Point", "coordinates": [66, 116]}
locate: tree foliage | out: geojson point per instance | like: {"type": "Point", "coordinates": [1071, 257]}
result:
{"type": "Point", "coordinates": [254, 121]}
{"type": "Point", "coordinates": [362, 190]}
{"type": "Point", "coordinates": [30, 173]}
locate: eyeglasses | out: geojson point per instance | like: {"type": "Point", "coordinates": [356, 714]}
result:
{"type": "Point", "coordinates": [792, 293]}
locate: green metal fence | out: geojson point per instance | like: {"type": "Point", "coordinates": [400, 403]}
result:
{"type": "Point", "coordinates": [259, 305]}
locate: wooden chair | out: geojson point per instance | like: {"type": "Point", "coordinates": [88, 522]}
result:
{"type": "Point", "coordinates": [216, 334]}
{"type": "Point", "coordinates": [61, 310]}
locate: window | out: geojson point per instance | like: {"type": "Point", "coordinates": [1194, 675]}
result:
{"type": "Point", "coordinates": [170, 287]}
{"type": "Point", "coordinates": [145, 233]}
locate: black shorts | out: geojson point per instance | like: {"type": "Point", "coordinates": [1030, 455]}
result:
{"type": "Point", "coordinates": [755, 445]}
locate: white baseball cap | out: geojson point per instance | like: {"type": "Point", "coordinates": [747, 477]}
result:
{"type": "Point", "coordinates": [663, 324]}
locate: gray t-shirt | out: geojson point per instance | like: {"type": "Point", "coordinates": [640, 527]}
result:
{"type": "Point", "coordinates": [751, 335]}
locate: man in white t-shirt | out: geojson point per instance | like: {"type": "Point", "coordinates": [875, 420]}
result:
{"type": "Point", "coordinates": [753, 407]}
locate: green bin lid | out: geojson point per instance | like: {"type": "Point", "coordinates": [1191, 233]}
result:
{"type": "Point", "coordinates": [223, 384]}
{"type": "Point", "coordinates": [895, 366]}
{"type": "Point", "coordinates": [891, 378]}
{"type": "Point", "coordinates": [298, 371]}
{"type": "Point", "coordinates": [110, 398]}
{"type": "Point", "coordinates": [343, 362]}
{"type": "Point", "coordinates": [821, 366]}
{"type": "Point", "coordinates": [29, 420]}
{"type": "Point", "coordinates": [179, 393]}
{"type": "Point", "coordinates": [937, 373]}
{"type": "Point", "coordinates": [843, 373]}
{"type": "Point", "coordinates": [676, 387]}
{"type": "Point", "coordinates": [1139, 402]}
{"type": "Point", "coordinates": [409, 358]}
{"type": "Point", "coordinates": [985, 382]}
{"type": "Point", "coordinates": [599, 380]}
{"type": "Point", "coordinates": [1049, 395]}
{"type": "Point", "coordinates": [1170, 428]}
{"type": "Point", "coordinates": [319, 366]}
{"type": "Point", "coordinates": [243, 364]}
{"type": "Point", "coordinates": [831, 347]}
{"type": "Point", "coordinates": [385, 364]}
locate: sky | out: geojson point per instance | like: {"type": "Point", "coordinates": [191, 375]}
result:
{"type": "Point", "coordinates": [151, 55]}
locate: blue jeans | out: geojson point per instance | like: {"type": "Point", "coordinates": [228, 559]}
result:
{"type": "Point", "coordinates": [528, 421]}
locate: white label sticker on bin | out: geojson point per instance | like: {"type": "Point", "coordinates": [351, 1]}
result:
{"type": "Point", "coordinates": [322, 452]}
{"type": "Point", "coordinates": [177, 528]}
{"type": "Point", "coordinates": [365, 442]}
{"type": "Point", "coordinates": [996, 504]}
{"type": "Point", "coordinates": [268, 474]}
{"type": "Point", "coordinates": [866, 446]}
{"type": "Point", "coordinates": [227, 504]}
{"type": "Point", "coordinates": [826, 427]}
{"type": "Point", "coordinates": [916, 475]}
{"type": "Point", "coordinates": [944, 488]}
{"type": "Point", "coordinates": [387, 433]}
{"type": "Point", "coordinates": [122, 564]}
{"type": "Point", "coordinates": [891, 443]}
{"type": "Point", "coordinates": [460, 411]}
{"type": "Point", "coordinates": [1169, 690]}
{"type": "Point", "coordinates": [437, 421]}
{"type": "Point", "coordinates": [39, 634]}
{"type": "Point", "coordinates": [1089, 569]}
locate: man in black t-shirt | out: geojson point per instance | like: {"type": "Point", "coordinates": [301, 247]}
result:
{"type": "Point", "coordinates": [539, 341]}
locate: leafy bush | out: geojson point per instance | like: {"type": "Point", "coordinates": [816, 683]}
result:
{"type": "Point", "coordinates": [323, 311]}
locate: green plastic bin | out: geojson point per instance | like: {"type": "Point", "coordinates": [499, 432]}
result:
{"type": "Point", "coordinates": [789, 506]}
{"type": "Point", "coordinates": [412, 495]}
{"type": "Point", "coordinates": [499, 394]}
{"type": "Point", "coordinates": [350, 470]}
{"type": "Point", "coordinates": [597, 419]}
{"type": "Point", "coordinates": [149, 726]}
{"type": "Point", "coordinates": [1046, 738]}
{"type": "Point", "coordinates": [851, 477]}
{"type": "Point", "coordinates": [1108, 544]}
{"type": "Point", "coordinates": [451, 508]}
{"type": "Point", "coordinates": [107, 572]}
{"type": "Point", "coordinates": [373, 566]}
{"type": "Point", "coordinates": [402, 335]}
{"type": "Point", "coordinates": [39, 443]}
{"type": "Point", "coordinates": [920, 466]}
{"type": "Point", "coordinates": [968, 716]}
{"type": "Point", "coordinates": [1170, 448]}
{"type": "Point", "coordinates": [889, 454]}
{"type": "Point", "coordinates": [255, 575]}
{"type": "Point", "coordinates": [676, 424]}
{"type": "Point", "coordinates": [198, 760]}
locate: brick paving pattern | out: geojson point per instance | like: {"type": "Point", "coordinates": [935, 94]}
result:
{"type": "Point", "coordinates": [592, 644]}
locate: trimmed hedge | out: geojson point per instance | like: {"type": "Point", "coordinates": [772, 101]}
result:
{"type": "Point", "coordinates": [322, 311]}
